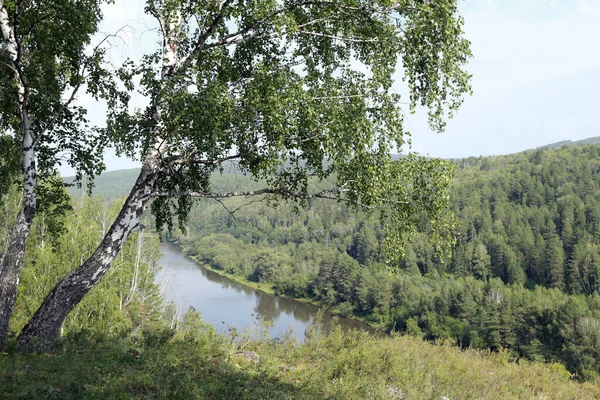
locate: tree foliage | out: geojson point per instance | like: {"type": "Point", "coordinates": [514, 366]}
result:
{"type": "Point", "coordinates": [52, 65]}
{"type": "Point", "coordinates": [298, 89]}
{"type": "Point", "coordinates": [288, 90]}
{"type": "Point", "coordinates": [523, 275]}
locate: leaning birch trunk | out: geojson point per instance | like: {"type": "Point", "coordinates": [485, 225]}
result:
{"type": "Point", "coordinates": [43, 328]}
{"type": "Point", "coordinates": [11, 265]}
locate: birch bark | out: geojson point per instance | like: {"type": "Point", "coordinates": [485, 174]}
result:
{"type": "Point", "coordinates": [44, 327]}
{"type": "Point", "coordinates": [12, 263]}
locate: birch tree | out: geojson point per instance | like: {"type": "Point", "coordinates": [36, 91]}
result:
{"type": "Point", "coordinates": [43, 65]}
{"type": "Point", "coordinates": [288, 91]}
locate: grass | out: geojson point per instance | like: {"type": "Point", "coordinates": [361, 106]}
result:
{"type": "Point", "coordinates": [197, 363]}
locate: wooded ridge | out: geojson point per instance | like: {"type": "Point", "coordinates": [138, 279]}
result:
{"type": "Point", "coordinates": [523, 276]}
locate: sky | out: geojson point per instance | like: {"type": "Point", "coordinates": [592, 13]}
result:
{"type": "Point", "coordinates": [536, 76]}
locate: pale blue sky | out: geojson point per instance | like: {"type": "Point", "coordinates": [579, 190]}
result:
{"type": "Point", "coordinates": [536, 76]}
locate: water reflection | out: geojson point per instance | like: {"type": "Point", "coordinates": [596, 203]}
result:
{"type": "Point", "coordinates": [226, 303]}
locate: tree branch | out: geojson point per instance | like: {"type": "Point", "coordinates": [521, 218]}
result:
{"type": "Point", "coordinates": [342, 38]}
{"type": "Point", "coordinates": [185, 61]}
{"type": "Point", "coordinates": [63, 107]}
{"type": "Point", "coordinates": [182, 160]}
{"type": "Point", "coordinates": [151, 9]}
{"type": "Point", "coordinates": [327, 194]}
{"type": "Point", "coordinates": [266, 191]}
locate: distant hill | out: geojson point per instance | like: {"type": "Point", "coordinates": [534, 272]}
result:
{"type": "Point", "coordinates": [110, 185]}
{"type": "Point", "coordinates": [115, 184]}
{"type": "Point", "coordinates": [592, 140]}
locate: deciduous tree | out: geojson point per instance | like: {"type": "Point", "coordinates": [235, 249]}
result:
{"type": "Point", "coordinates": [44, 63]}
{"type": "Point", "coordinates": [289, 91]}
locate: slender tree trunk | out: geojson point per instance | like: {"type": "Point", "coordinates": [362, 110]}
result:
{"type": "Point", "coordinates": [11, 269]}
{"type": "Point", "coordinates": [44, 327]}
{"type": "Point", "coordinates": [11, 265]}
{"type": "Point", "coordinates": [136, 269]}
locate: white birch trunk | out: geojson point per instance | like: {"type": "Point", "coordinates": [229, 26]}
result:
{"type": "Point", "coordinates": [11, 265]}
{"type": "Point", "coordinates": [44, 327]}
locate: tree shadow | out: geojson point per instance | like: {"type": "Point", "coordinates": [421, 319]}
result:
{"type": "Point", "coordinates": [113, 371]}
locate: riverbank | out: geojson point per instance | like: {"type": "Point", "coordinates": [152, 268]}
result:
{"type": "Point", "coordinates": [268, 288]}
{"type": "Point", "coordinates": [232, 305]}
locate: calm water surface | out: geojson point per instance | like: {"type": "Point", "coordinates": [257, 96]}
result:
{"type": "Point", "coordinates": [225, 303]}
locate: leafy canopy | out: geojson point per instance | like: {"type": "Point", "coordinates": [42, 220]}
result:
{"type": "Point", "coordinates": [54, 64]}
{"type": "Point", "coordinates": [293, 90]}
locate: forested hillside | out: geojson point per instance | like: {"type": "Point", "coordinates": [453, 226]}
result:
{"type": "Point", "coordinates": [524, 274]}
{"type": "Point", "coordinates": [123, 340]}
{"type": "Point", "coordinates": [531, 218]}
{"type": "Point", "coordinates": [591, 140]}
{"type": "Point", "coordinates": [110, 185]}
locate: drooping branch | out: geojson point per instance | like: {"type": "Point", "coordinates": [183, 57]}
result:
{"type": "Point", "coordinates": [151, 9]}
{"type": "Point", "coordinates": [192, 158]}
{"type": "Point", "coordinates": [328, 194]}
{"type": "Point", "coordinates": [340, 38]}
{"type": "Point", "coordinates": [202, 42]}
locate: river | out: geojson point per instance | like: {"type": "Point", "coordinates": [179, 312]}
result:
{"type": "Point", "coordinates": [228, 304]}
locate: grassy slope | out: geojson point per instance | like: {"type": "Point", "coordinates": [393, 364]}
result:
{"type": "Point", "coordinates": [340, 366]}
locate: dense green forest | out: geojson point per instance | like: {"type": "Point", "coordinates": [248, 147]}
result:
{"type": "Point", "coordinates": [524, 274]}
{"type": "Point", "coordinates": [124, 341]}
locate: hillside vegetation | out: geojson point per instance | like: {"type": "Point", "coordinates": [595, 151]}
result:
{"type": "Point", "coordinates": [591, 140]}
{"type": "Point", "coordinates": [110, 185]}
{"type": "Point", "coordinates": [124, 342]}
{"type": "Point", "coordinates": [524, 275]}
{"type": "Point", "coordinates": [193, 362]}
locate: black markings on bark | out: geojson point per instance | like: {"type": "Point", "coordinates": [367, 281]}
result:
{"type": "Point", "coordinates": [44, 327]}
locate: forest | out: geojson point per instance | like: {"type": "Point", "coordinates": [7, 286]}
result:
{"type": "Point", "coordinates": [284, 115]}
{"type": "Point", "coordinates": [125, 341]}
{"type": "Point", "coordinates": [523, 276]}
